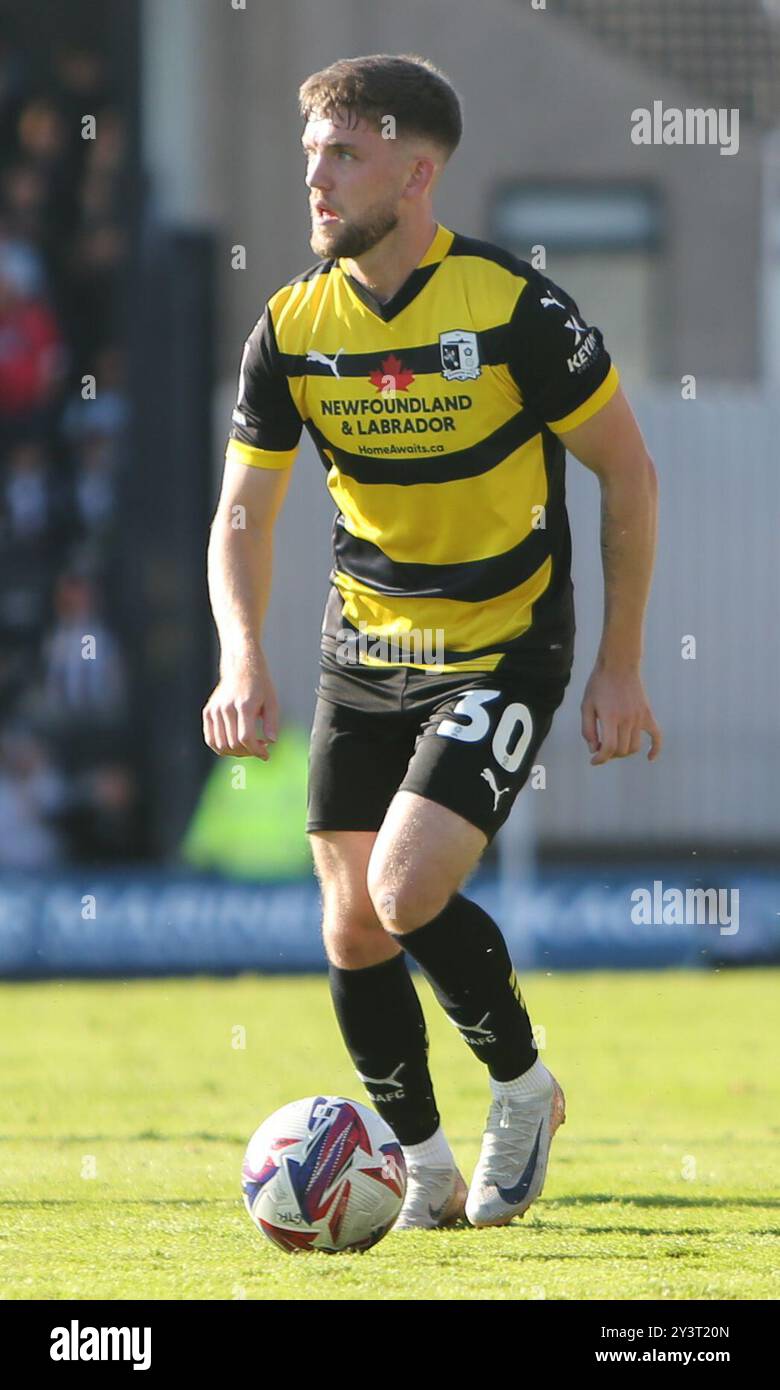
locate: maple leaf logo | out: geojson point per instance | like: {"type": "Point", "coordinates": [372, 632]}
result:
{"type": "Point", "coordinates": [391, 376]}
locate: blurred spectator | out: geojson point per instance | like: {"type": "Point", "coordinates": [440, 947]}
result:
{"type": "Point", "coordinates": [106, 152]}
{"type": "Point", "coordinates": [83, 679]}
{"type": "Point", "coordinates": [34, 527]}
{"type": "Point", "coordinates": [52, 145]}
{"type": "Point", "coordinates": [32, 505]}
{"type": "Point", "coordinates": [79, 81]}
{"type": "Point", "coordinates": [32, 352]}
{"type": "Point", "coordinates": [96, 258]}
{"type": "Point", "coordinates": [95, 484]}
{"type": "Point", "coordinates": [108, 412]}
{"type": "Point", "coordinates": [32, 796]}
{"type": "Point", "coordinates": [99, 818]}
{"type": "Point", "coordinates": [23, 213]}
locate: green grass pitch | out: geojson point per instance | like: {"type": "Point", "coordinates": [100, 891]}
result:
{"type": "Point", "coordinates": [126, 1108]}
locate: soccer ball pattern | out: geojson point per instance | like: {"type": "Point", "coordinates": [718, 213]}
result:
{"type": "Point", "coordinates": [324, 1173]}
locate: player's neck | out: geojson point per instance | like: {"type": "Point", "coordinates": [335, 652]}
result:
{"type": "Point", "coordinates": [386, 267]}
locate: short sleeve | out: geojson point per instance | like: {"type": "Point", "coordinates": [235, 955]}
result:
{"type": "Point", "coordinates": [266, 427]}
{"type": "Point", "coordinates": [558, 360]}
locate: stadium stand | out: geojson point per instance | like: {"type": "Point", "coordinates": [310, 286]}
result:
{"type": "Point", "coordinates": [67, 791]}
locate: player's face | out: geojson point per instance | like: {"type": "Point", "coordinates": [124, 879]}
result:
{"type": "Point", "coordinates": [355, 180]}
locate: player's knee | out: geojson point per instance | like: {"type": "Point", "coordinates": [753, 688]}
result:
{"type": "Point", "coordinates": [350, 954]}
{"type": "Point", "coordinates": [353, 941]}
{"type": "Point", "coordinates": [401, 904]}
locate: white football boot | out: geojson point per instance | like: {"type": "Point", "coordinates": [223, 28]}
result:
{"type": "Point", "coordinates": [434, 1197]}
{"type": "Point", "coordinates": [512, 1163]}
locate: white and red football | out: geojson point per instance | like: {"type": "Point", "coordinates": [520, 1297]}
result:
{"type": "Point", "coordinates": [325, 1173]}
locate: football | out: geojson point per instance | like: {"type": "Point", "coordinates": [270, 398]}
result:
{"type": "Point", "coordinates": [325, 1173]}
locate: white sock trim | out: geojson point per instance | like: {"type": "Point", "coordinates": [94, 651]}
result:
{"type": "Point", "coordinates": [531, 1083]}
{"type": "Point", "coordinates": [432, 1153]}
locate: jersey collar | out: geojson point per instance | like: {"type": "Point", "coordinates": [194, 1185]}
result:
{"type": "Point", "coordinates": [416, 281]}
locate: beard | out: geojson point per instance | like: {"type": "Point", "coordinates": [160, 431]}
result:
{"type": "Point", "coordinates": [348, 240]}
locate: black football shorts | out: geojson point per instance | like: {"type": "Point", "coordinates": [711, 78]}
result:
{"type": "Point", "coordinates": [466, 740]}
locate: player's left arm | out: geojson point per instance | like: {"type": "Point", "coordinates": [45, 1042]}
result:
{"type": "Point", "coordinates": [615, 708]}
{"type": "Point", "coordinates": [566, 376]}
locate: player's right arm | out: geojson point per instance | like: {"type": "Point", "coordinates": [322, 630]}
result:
{"type": "Point", "coordinates": [240, 562]}
{"type": "Point", "coordinates": [263, 441]}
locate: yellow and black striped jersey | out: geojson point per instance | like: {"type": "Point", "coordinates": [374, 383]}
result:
{"type": "Point", "coordinates": [434, 415]}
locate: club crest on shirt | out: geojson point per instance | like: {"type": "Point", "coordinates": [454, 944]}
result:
{"type": "Point", "coordinates": [459, 355]}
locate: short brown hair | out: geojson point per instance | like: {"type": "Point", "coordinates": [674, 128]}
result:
{"type": "Point", "coordinates": [406, 86]}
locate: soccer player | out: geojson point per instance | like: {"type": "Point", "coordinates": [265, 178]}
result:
{"type": "Point", "coordinates": [441, 380]}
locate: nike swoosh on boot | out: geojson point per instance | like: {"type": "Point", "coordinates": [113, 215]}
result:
{"type": "Point", "coordinates": [515, 1194]}
{"type": "Point", "coordinates": [437, 1212]}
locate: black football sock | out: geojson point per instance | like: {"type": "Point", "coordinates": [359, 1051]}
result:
{"type": "Point", "coordinates": [465, 958]}
{"type": "Point", "coordinates": [383, 1026]}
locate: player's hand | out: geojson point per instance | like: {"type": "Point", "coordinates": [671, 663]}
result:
{"type": "Point", "coordinates": [245, 694]}
{"type": "Point", "coordinates": [615, 713]}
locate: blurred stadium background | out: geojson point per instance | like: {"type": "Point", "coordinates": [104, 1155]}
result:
{"type": "Point", "coordinates": [133, 264]}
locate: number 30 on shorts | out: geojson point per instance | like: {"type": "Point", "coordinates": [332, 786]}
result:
{"type": "Point", "coordinates": [472, 705]}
